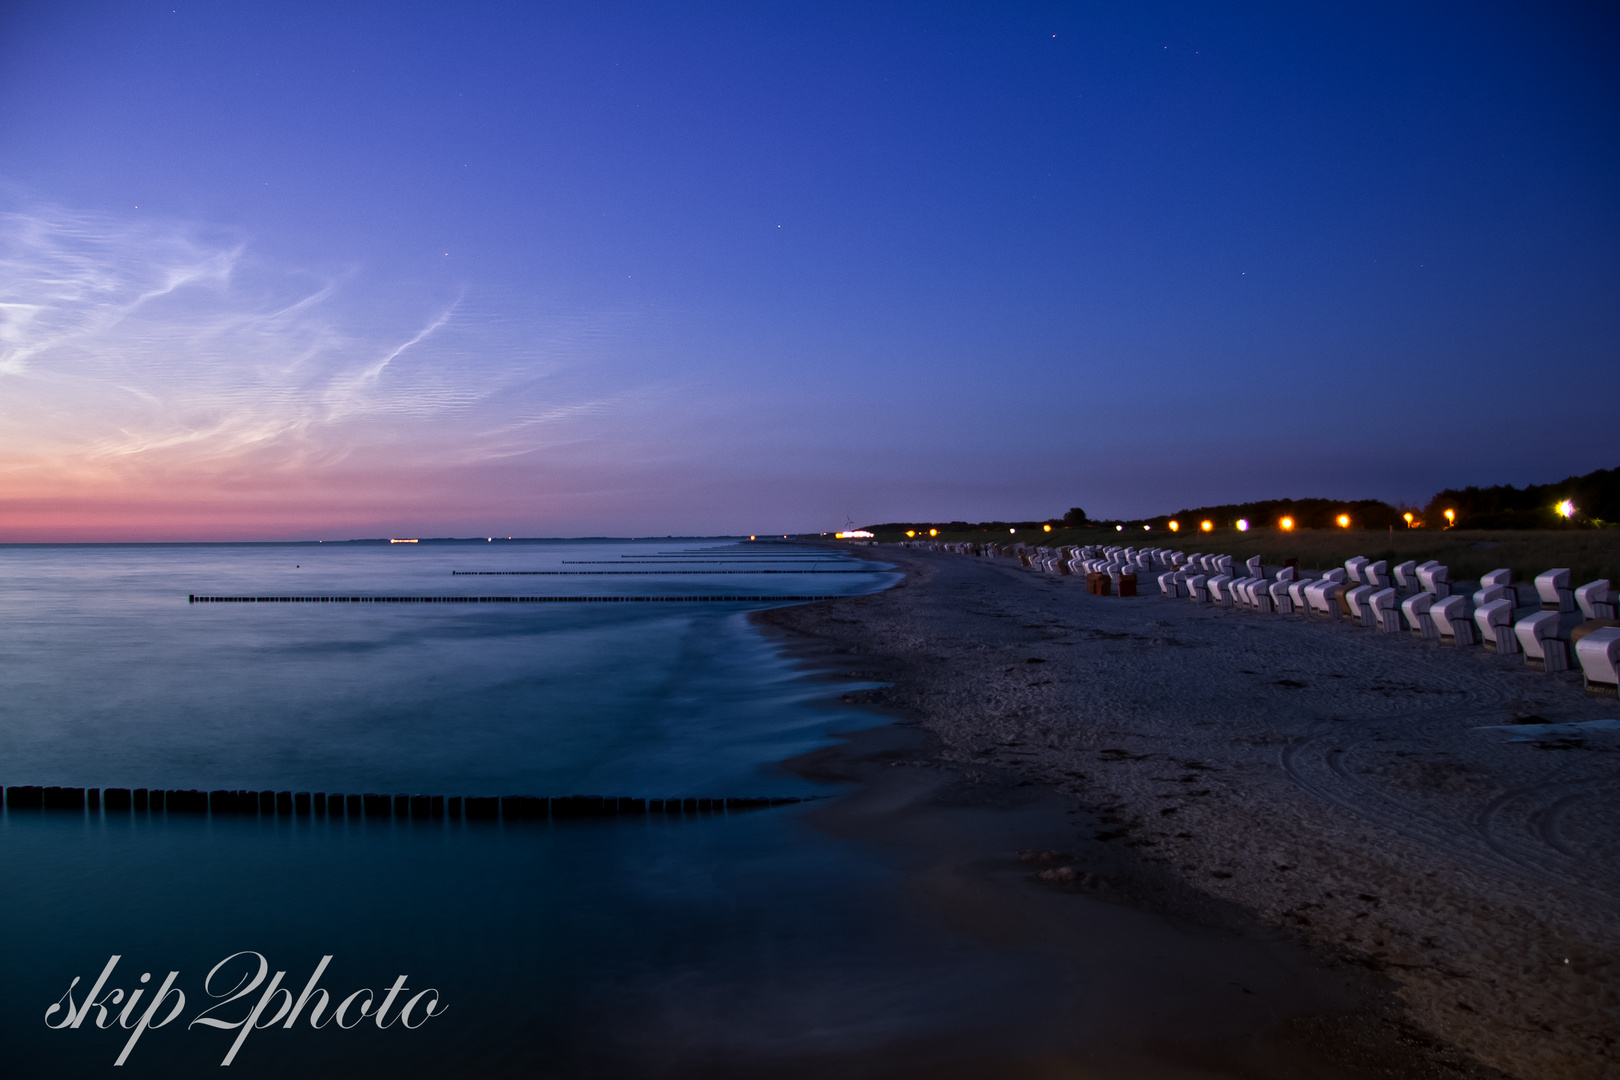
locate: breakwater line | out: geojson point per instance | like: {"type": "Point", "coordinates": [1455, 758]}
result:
{"type": "Point", "coordinates": [195, 599]}
{"type": "Point", "coordinates": [240, 803]}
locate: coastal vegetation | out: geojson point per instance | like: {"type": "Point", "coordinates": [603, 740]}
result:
{"type": "Point", "coordinates": [1574, 523]}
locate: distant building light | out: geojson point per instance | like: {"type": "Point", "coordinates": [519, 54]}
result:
{"type": "Point", "coordinates": [852, 534]}
{"type": "Point", "coordinates": [404, 541]}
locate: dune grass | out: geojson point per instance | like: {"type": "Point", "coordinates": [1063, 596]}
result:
{"type": "Point", "coordinates": [1589, 553]}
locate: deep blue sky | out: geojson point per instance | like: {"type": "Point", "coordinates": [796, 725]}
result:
{"type": "Point", "coordinates": [698, 268]}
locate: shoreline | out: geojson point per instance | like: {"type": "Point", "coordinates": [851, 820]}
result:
{"type": "Point", "coordinates": [1267, 776]}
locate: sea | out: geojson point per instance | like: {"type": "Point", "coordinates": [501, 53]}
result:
{"type": "Point", "coordinates": [658, 945]}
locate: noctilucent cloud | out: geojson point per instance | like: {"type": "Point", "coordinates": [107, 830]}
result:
{"type": "Point", "coordinates": [299, 270]}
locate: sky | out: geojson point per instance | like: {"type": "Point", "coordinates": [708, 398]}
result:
{"type": "Point", "coordinates": [284, 270]}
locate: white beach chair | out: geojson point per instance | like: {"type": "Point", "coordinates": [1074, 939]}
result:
{"type": "Point", "coordinates": [1435, 579]}
{"type": "Point", "coordinates": [1281, 602]}
{"type": "Point", "coordinates": [1415, 609]}
{"type": "Point", "coordinates": [1406, 577]}
{"type": "Point", "coordinates": [1386, 607]}
{"type": "Point", "coordinates": [1352, 568]}
{"type": "Point", "coordinates": [1321, 596]}
{"type": "Point", "coordinates": [1255, 567]}
{"type": "Point", "coordinates": [1376, 574]}
{"type": "Point", "coordinates": [1168, 586]}
{"type": "Point", "coordinates": [1296, 595]}
{"type": "Point", "coordinates": [1356, 600]}
{"type": "Point", "coordinates": [1596, 599]}
{"type": "Point", "coordinates": [1538, 637]}
{"type": "Point", "coordinates": [1197, 588]}
{"type": "Point", "coordinates": [1450, 616]}
{"type": "Point", "coordinates": [1553, 588]}
{"type": "Point", "coordinates": [1260, 596]}
{"type": "Point", "coordinates": [1495, 622]}
{"type": "Point", "coordinates": [1217, 586]}
{"type": "Point", "coordinates": [1496, 579]}
{"type": "Point", "coordinates": [1599, 654]}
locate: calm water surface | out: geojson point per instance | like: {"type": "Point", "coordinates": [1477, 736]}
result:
{"type": "Point", "coordinates": [644, 947]}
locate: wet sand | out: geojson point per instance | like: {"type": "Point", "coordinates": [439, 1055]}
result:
{"type": "Point", "coordinates": [1290, 849]}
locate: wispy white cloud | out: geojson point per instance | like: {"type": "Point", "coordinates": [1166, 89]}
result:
{"type": "Point", "coordinates": [173, 347]}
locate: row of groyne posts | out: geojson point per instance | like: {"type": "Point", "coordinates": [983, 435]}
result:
{"type": "Point", "coordinates": [324, 804]}
{"type": "Point", "coordinates": [1412, 596]}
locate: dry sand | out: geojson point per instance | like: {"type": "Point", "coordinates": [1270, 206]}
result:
{"type": "Point", "coordinates": [1332, 781]}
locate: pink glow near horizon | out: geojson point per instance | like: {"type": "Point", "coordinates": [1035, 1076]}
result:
{"type": "Point", "coordinates": [159, 384]}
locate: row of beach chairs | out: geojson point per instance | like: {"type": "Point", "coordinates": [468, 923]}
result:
{"type": "Point", "coordinates": [1411, 596]}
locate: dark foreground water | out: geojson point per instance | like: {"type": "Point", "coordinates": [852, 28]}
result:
{"type": "Point", "coordinates": [639, 947]}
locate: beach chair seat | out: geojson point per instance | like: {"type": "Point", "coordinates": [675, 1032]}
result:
{"type": "Point", "coordinates": [1599, 656]}
{"type": "Point", "coordinates": [1491, 593]}
{"type": "Point", "coordinates": [1197, 588]}
{"type": "Point", "coordinates": [1385, 604]}
{"type": "Point", "coordinates": [1237, 589]}
{"type": "Point", "coordinates": [1281, 602]}
{"type": "Point", "coordinates": [1415, 610]}
{"type": "Point", "coordinates": [1495, 621]}
{"type": "Point", "coordinates": [1376, 574]}
{"type": "Point", "coordinates": [1255, 567]}
{"type": "Point", "coordinates": [1260, 591]}
{"type": "Point", "coordinates": [1355, 602]}
{"type": "Point", "coordinates": [1218, 589]}
{"type": "Point", "coordinates": [1553, 588]}
{"type": "Point", "coordinates": [1435, 579]}
{"type": "Point", "coordinates": [1538, 636]}
{"type": "Point", "coordinates": [1450, 615]}
{"type": "Point", "coordinates": [1296, 595]}
{"type": "Point", "coordinates": [1405, 575]}
{"type": "Point", "coordinates": [1352, 568]}
{"type": "Point", "coordinates": [1596, 599]}
{"type": "Point", "coordinates": [1322, 597]}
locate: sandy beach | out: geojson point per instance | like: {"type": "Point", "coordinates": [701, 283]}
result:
{"type": "Point", "coordinates": [1414, 813]}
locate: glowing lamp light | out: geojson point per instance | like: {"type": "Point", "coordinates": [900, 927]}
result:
{"type": "Point", "coordinates": [1408, 517]}
{"type": "Point", "coordinates": [911, 532]}
{"type": "Point", "coordinates": [1451, 517]}
{"type": "Point", "coordinates": [1175, 526]}
{"type": "Point", "coordinates": [1147, 528]}
{"type": "Point", "coordinates": [1012, 530]}
{"type": "Point", "coordinates": [1343, 521]}
{"type": "Point", "coordinates": [1048, 528]}
{"type": "Point", "coordinates": [1566, 509]}
{"type": "Point", "coordinates": [1119, 528]}
{"type": "Point", "coordinates": [1286, 524]}
{"type": "Point", "coordinates": [1243, 524]}
{"type": "Point", "coordinates": [753, 538]}
{"type": "Point", "coordinates": [933, 532]}
{"type": "Point", "coordinates": [1206, 525]}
